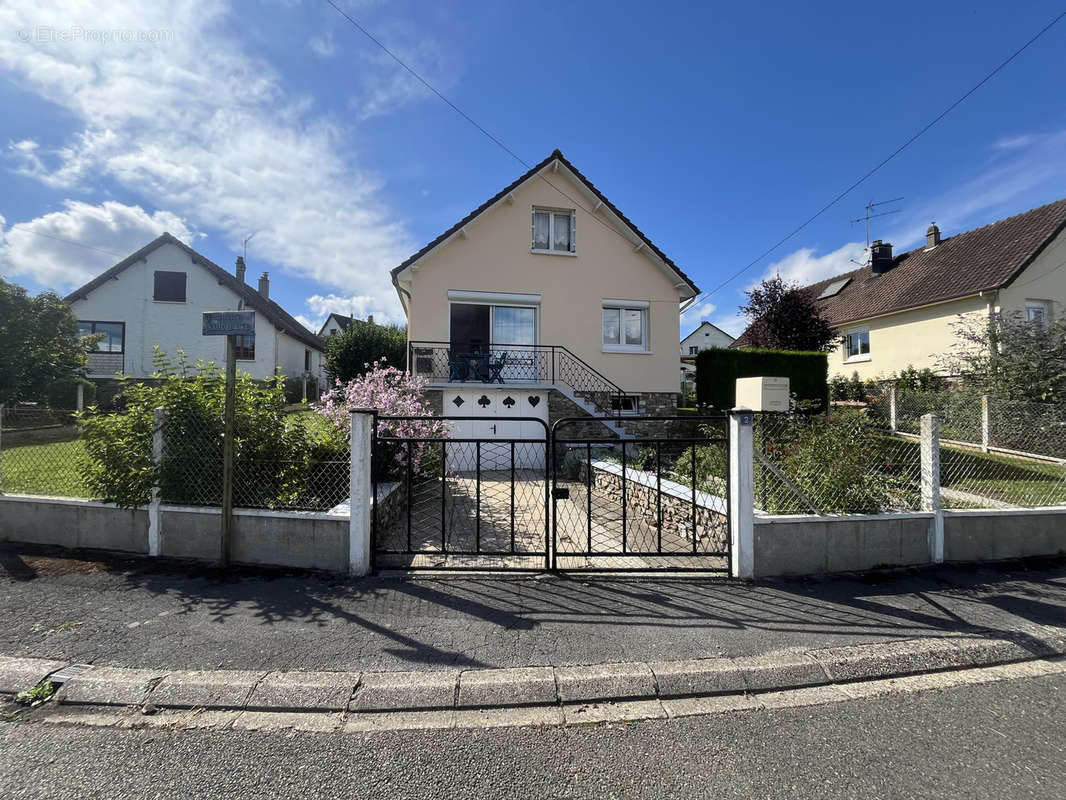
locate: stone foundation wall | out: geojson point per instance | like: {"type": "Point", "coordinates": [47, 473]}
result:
{"type": "Point", "coordinates": [560, 406]}
{"type": "Point", "coordinates": [712, 525]}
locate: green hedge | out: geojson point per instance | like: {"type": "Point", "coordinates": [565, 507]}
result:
{"type": "Point", "coordinates": [717, 370]}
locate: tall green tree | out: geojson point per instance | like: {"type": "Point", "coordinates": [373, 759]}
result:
{"type": "Point", "coordinates": [784, 316]}
{"type": "Point", "coordinates": [351, 353]}
{"type": "Point", "coordinates": [39, 345]}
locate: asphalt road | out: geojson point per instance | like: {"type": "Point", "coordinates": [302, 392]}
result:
{"type": "Point", "coordinates": [1000, 740]}
{"type": "Point", "coordinates": [144, 613]}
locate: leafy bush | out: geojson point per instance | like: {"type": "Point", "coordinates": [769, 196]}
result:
{"type": "Point", "coordinates": [352, 353]}
{"type": "Point", "coordinates": [842, 465]}
{"type": "Point", "coordinates": [279, 460]}
{"type": "Point", "coordinates": [717, 370]}
{"type": "Point", "coordinates": [294, 390]}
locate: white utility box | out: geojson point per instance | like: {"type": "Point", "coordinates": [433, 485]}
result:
{"type": "Point", "coordinates": [762, 394]}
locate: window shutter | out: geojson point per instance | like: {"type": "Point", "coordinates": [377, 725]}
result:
{"type": "Point", "coordinates": [573, 231]}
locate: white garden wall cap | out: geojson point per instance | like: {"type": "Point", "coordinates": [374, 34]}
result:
{"type": "Point", "coordinates": [537, 686]}
{"type": "Point", "coordinates": [669, 487]}
{"type": "Point", "coordinates": [763, 518]}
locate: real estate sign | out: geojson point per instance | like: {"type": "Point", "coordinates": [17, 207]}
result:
{"type": "Point", "coordinates": [229, 323]}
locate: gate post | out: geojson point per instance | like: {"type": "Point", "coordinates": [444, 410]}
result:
{"type": "Point", "coordinates": [361, 493]}
{"type": "Point", "coordinates": [930, 456]}
{"type": "Point", "coordinates": [741, 494]}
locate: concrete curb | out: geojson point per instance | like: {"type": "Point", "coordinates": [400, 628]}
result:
{"type": "Point", "coordinates": [571, 687]}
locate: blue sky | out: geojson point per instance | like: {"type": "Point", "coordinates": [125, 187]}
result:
{"type": "Point", "coordinates": [716, 128]}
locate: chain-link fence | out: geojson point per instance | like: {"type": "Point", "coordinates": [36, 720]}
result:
{"type": "Point", "coordinates": [832, 465]}
{"type": "Point", "coordinates": [299, 461]}
{"type": "Point", "coordinates": [41, 451]}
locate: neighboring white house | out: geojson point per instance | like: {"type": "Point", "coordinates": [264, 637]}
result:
{"type": "Point", "coordinates": [336, 324]}
{"type": "Point", "coordinates": [157, 297]}
{"type": "Point", "coordinates": [545, 301]}
{"type": "Point", "coordinates": [706, 335]}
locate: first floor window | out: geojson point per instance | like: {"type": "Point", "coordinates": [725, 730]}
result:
{"type": "Point", "coordinates": [693, 350]}
{"type": "Point", "coordinates": [113, 335]}
{"type": "Point", "coordinates": [553, 231]}
{"type": "Point", "coordinates": [857, 343]}
{"type": "Point", "coordinates": [625, 328]}
{"type": "Point", "coordinates": [1037, 311]}
{"type": "Point", "coordinates": [244, 347]}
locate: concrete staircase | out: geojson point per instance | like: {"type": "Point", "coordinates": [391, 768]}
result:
{"type": "Point", "coordinates": [615, 427]}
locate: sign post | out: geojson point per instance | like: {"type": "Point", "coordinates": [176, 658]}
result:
{"type": "Point", "coordinates": [230, 324]}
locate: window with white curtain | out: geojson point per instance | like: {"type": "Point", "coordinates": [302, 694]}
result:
{"type": "Point", "coordinates": [553, 230]}
{"type": "Point", "coordinates": [625, 328]}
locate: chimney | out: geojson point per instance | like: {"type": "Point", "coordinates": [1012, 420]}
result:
{"type": "Point", "coordinates": [240, 268]}
{"type": "Point", "coordinates": [932, 236]}
{"type": "Point", "coordinates": [370, 318]}
{"type": "Point", "coordinates": [264, 285]}
{"type": "Point", "coordinates": [880, 256]}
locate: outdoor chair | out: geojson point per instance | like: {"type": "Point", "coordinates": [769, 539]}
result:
{"type": "Point", "coordinates": [496, 369]}
{"type": "Point", "coordinates": [458, 367]}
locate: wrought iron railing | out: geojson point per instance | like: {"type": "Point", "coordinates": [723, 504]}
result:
{"type": "Point", "coordinates": [548, 364]}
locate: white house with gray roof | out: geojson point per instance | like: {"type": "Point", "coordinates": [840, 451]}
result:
{"type": "Point", "coordinates": [157, 295]}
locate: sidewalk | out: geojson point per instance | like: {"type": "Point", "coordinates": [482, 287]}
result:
{"type": "Point", "coordinates": [137, 612]}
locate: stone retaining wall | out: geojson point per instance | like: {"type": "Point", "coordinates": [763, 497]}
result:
{"type": "Point", "coordinates": [643, 497]}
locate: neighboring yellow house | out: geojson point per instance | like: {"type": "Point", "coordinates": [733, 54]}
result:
{"type": "Point", "coordinates": [545, 295]}
{"type": "Point", "coordinates": [899, 311]}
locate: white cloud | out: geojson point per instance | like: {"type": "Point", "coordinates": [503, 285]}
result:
{"type": "Point", "coordinates": [358, 306]}
{"type": "Point", "coordinates": [200, 126]}
{"type": "Point", "coordinates": [385, 86]}
{"type": "Point", "coordinates": [323, 46]}
{"type": "Point", "coordinates": [804, 267]}
{"type": "Point", "coordinates": [108, 232]}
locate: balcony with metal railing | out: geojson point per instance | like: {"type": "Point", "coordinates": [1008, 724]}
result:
{"type": "Point", "coordinates": [548, 366]}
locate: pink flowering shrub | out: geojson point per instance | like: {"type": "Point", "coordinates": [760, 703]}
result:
{"type": "Point", "coordinates": [393, 393]}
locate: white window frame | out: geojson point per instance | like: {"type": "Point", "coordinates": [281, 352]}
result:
{"type": "Point", "coordinates": [551, 212]}
{"type": "Point", "coordinates": [643, 306]}
{"type": "Point", "coordinates": [859, 356]}
{"type": "Point", "coordinates": [1044, 306]}
{"type": "Point", "coordinates": [632, 400]}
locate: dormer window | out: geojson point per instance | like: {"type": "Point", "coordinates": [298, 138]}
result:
{"type": "Point", "coordinates": [553, 231]}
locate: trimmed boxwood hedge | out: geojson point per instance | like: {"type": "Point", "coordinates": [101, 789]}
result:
{"type": "Point", "coordinates": [717, 370]}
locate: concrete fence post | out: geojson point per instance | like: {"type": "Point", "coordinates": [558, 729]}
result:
{"type": "Point", "coordinates": [159, 416]}
{"type": "Point", "coordinates": [741, 494]}
{"type": "Point", "coordinates": [1, 448]}
{"type": "Point", "coordinates": [931, 484]}
{"type": "Point", "coordinates": [985, 424]}
{"type": "Point", "coordinates": [81, 397]}
{"type": "Point", "coordinates": [892, 407]}
{"type": "Point", "coordinates": [361, 499]}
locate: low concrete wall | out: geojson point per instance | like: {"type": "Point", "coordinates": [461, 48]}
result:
{"type": "Point", "coordinates": [813, 545]}
{"type": "Point", "coordinates": [979, 535]}
{"type": "Point", "coordinates": [305, 540]}
{"type": "Point", "coordinates": [72, 523]}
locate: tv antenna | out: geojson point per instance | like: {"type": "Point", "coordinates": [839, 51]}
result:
{"type": "Point", "coordinates": [869, 215]}
{"type": "Point", "coordinates": [249, 237]}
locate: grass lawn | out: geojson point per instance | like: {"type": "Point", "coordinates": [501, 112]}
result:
{"type": "Point", "coordinates": [52, 469]}
{"type": "Point", "coordinates": [1017, 481]}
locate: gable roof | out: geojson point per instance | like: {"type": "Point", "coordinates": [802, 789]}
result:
{"type": "Point", "coordinates": [556, 155]}
{"type": "Point", "coordinates": [699, 327]}
{"type": "Point", "coordinates": [343, 321]}
{"type": "Point", "coordinates": [275, 314]}
{"type": "Point", "coordinates": [981, 260]}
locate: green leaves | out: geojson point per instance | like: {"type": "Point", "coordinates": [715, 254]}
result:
{"type": "Point", "coordinates": [39, 346]}
{"type": "Point", "coordinates": [350, 354]}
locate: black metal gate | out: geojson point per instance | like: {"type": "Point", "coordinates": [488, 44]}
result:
{"type": "Point", "coordinates": [478, 502]}
{"type": "Point", "coordinates": [587, 495]}
{"type": "Point", "coordinates": [640, 493]}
